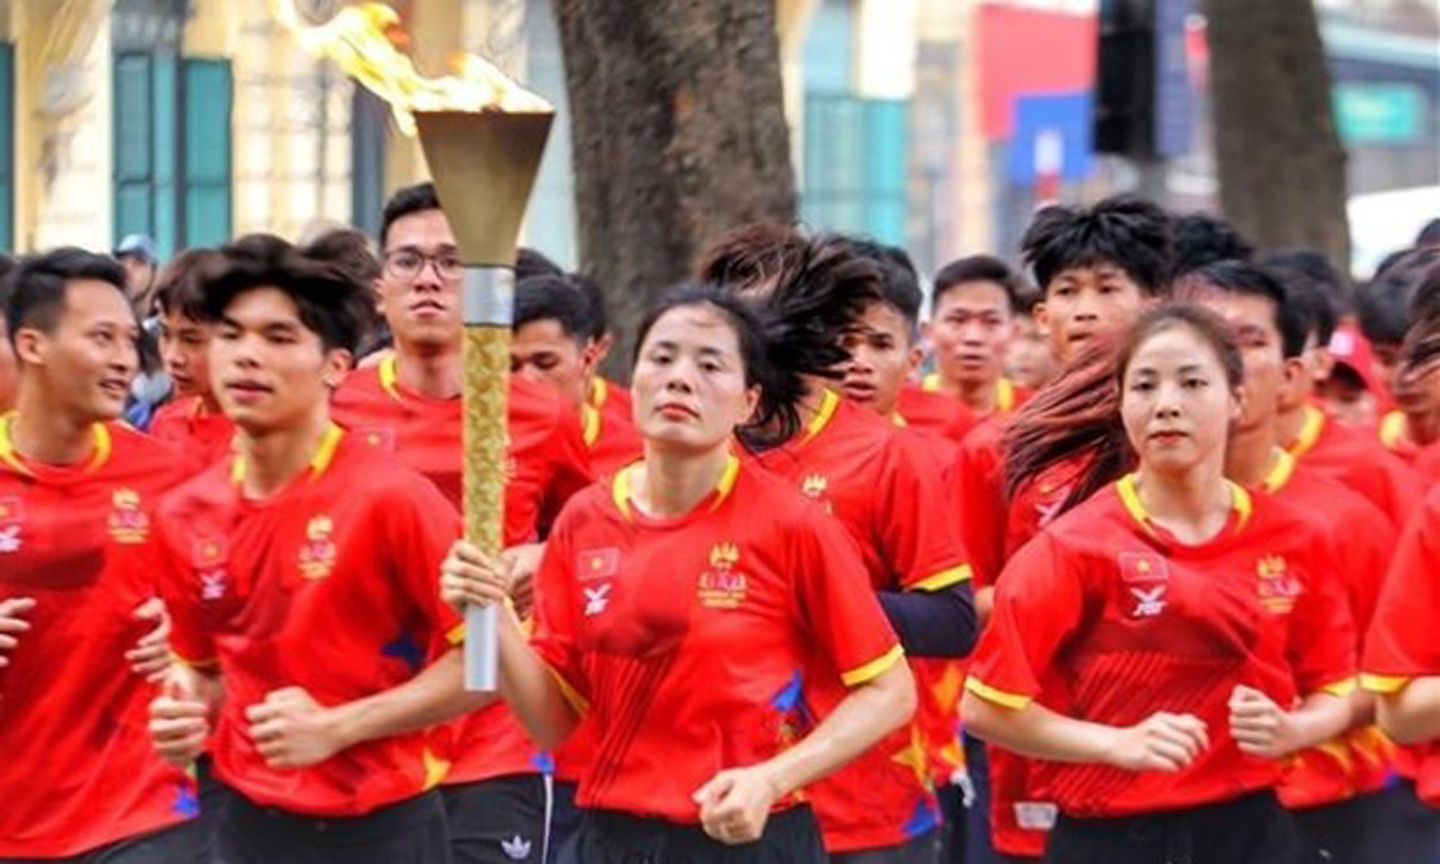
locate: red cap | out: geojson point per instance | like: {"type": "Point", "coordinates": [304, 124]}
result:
{"type": "Point", "coordinates": [1350, 347]}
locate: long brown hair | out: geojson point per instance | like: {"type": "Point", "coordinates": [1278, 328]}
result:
{"type": "Point", "coordinates": [1078, 414]}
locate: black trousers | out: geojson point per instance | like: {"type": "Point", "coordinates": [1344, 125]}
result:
{"type": "Point", "coordinates": [1252, 829]}
{"type": "Point", "coordinates": [924, 849]}
{"type": "Point", "coordinates": [565, 824]}
{"type": "Point", "coordinates": [502, 820]}
{"type": "Point", "coordinates": [791, 837]}
{"type": "Point", "coordinates": [1401, 829]}
{"type": "Point", "coordinates": [408, 832]}
{"type": "Point", "coordinates": [185, 843]}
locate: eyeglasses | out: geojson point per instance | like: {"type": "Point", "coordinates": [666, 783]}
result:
{"type": "Point", "coordinates": [409, 264]}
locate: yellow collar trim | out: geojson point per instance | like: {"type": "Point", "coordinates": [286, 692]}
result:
{"type": "Point", "coordinates": [319, 463]}
{"type": "Point", "coordinates": [620, 490]}
{"type": "Point", "coordinates": [1392, 430]}
{"type": "Point", "coordinates": [599, 391]}
{"type": "Point", "coordinates": [1309, 432]}
{"type": "Point", "coordinates": [931, 382]}
{"type": "Point", "coordinates": [829, 403]}
{"type": "Point", "coordinates": [99, 452]}
{"type": "Point", "coordinates": [899, 419]}
{"type": "Point", "coordinates": [1004, 396]}
{"type": "Point", "coordinates": [1280, 473]}
{"type": "Point", "coordinates": [389, 373]}
{"type": "Point", "coordinates": [590, 424]}
{"type": "Point", "coordinates": [1240, 502]}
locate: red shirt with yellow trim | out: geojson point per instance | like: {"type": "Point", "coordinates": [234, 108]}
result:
{"type": "Point", "coordinates": [203, 438]}
{"type": "Point", "coordinates": [715, 640]}
{"type": "Point", "coordinates": [879, 483]}
{"type": "Point", "coordinates": [1363, 539]}
{"type": "Point", "coordinates": [1358, 460]}
{"type": "Point", "coordinates": [1394, 432]}
{"type": "Point", "coordinates": [608, 425]}
{"type": "Point", "coordinates": [328, 585]}
{"type": "Point", "coordinates": [935, 412]}
{"type": "Point", "coordinates": [548, 463]}
{"type": "Point", "coordinates": [1107, 618]}
{"type": "Point", "coordinates": [1404, 638]}
{"type": "Point", "coordinates": [79, 770]}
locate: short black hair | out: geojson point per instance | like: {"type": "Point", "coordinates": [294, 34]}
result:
{"type": "Point", "coordinates": [553, 298]}
{"type": "Point", "coordinates": [180, 286]}
{"type": "Point", "coordinates": [1430, 234]}
{"type": "Point", "coordinates": [599, 315]}
{"type": "Point", "coordinates": [405, 202]}
{"type": "Point", "coordinates": [350, 250]}
{"type": "Point", "coordinates": [979, 268]}
{"type": "Point", "coordinates": [1128, 232]}
{"type": "Point", "coordinates": [1245, 279]}
{"type": "Point", "coordinates": [1201, 238]}
{"type": "Point", "coordinates": [1310, 272]}
{"type": "Point", "coordinates": [38, 284]}
{"type": "Point", "coordinates": [899, 286]}
{"type": "Point", "coordinates": [1383, 305]}
{"type": "Point", "coordinates": [331, 303]}
{"type": "Point", "coordinates": [532, 262]}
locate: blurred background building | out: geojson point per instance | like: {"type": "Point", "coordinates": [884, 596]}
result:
{"type": "Point", "coordinates": [935, 124]}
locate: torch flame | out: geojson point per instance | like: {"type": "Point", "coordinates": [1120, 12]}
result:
{"type": "Point", "coordinates": [355, 40]}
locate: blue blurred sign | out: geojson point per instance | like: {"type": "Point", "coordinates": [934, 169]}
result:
{"type": "Point", "coordinates": [1052, 138]}
{"type": "Point", "coordinates": [1174, 99]}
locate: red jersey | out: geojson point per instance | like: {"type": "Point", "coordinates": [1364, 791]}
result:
{"type": "Point", "coordinates": [1009, 396]}
{"type": "Point", "coordinates": [710, 641]}
{"type": "Point", "coordinates": [1363, 540]}
{"type": "Point", "coordinates": [609, 427]}
{"type": "Point", "coordinates": [934, 412]}
{"type": "Point", "coordinates": [1359, 461]}
{"type": "Point", "coordinates": [1427, 465]}
{"type": "Point", "coordinates": [79, 770]}
{"type": "Point", "coordinates": [328, 585]}
{"type": "Point", "coordinates": [1108, 619]}
{"type": "Point", "coordinates": [548, 462]}
{"type": "Point", "coordinates": [1404, 638]}
{"type": "Point", "coordinates": [878, 484]}
{"type": "Point", "coordinates": [548, 465]}
{"type": "Point", "coordinates": [203, 438]}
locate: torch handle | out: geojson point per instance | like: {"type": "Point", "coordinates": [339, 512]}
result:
{"type": "Point", "coordinates": [487, 303]}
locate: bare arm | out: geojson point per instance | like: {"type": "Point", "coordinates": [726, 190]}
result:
{"type": "Point", "coordinates": [434, 696]}
{"type": "Point", "coordinates": [532, 689]}
{"type": "Point", "coordinates": [1412, 714]}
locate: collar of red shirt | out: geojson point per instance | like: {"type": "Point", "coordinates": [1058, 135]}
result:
{"type": "Point", "coordinates": [1240, 503]}
{"type": "Point", "coordinates": [324, 455]}
{"type": "Point", "coordinates": [9, 456]}
{"type": "Point", "coordinates": [620, 493]}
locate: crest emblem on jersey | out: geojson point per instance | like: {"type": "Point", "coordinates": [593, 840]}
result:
{"type": "Point", "coordinates": [128, 522]}
{"type": "Point", "coordinates": [1278, 587]}
{"type": "Point", "coordinates": [317, 551]}
{"type": "Point", "coordinates": [517, 848]}
{"type": "Point", "coordinates": [722, 587]}
{"type": "Point", "coordinates": [597, 598]}
{"type": "Point", "coordinates": [814, 486]}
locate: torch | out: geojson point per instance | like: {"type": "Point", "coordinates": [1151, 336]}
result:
{"type": "Point", "coordinates": [482, 135]}
{"type": "Point", "coordinates": [484, 164]}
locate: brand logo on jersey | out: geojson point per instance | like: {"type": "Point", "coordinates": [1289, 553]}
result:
{"type": "Point", "coordinates": [10, 539]}
{"type": "Point", "coordinates": [1149, 602]}
{"type": "Point", "coordinates": [11, 511]}
{"type": "Point", "coordinates": [381, 437]}
{"type": "Point", "coordinates": [517, 848]}
{"type": "Point", "coordinates": [721, 587]}
{"type": "Point", "coordinates": [212, 585]}
{"type": "Point", "coordinates": [598, 563]}
{"type": "Point", "coordinates": [1278, 587]}
{"type": "Point", "coordinates": [128, 523]}
{"type": "Point", "coordinates": [597, 598]}
{"type": "Point", "coordinates": [317, 552]}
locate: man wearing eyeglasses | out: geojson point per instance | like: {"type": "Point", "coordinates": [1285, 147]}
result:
{"type": "Point", "coordinates": [410, 403]}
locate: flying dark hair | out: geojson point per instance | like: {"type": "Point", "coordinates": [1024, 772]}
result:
{"type": "Point", "coordinates": [900, 283]}
{"type": "Point", "coordinates": [777, 417]}
{"type": "Point", "coordinates": [980, 268]}
{"type": "Point", "coordinates": [1130, 233]}
{"type": "Point", "coordinates": [809, 291]}
{"type": "Point", "coordinates": [1383, 305]}
{"type": "Point", "coordinates": [330, 302]}
{"type": "Point", "coordinates": [1202, 239]}
{"type": "Point", "coordinates": [1078, 414]}
{"type": "Point", "coordinates": [547, 297]}
{"type": "Point", "coordinates": [38, 285]}
{"type": "Point", "coordinates": [1249, 280]}
{"type": "Point", "coordinates": [405, 202]}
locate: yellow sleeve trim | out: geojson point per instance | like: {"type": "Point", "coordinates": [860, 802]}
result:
{"type": "Point", "coordinates": [1013, 701]}
{"type": "Point", "coordinates": [578, 702]}
{"type": "Point", "coordinates": [1385, 684]}
{"type": "Point", "coordinates": [1343, 687]}
{"type": "Point", "coordinates": [874, 669]}
{"type": "Point", "coordinates": [456, 635]}
{"type": "Point", "coordinates": [199, 665]}
{"type": "Point", "coordinates": [944, 579]}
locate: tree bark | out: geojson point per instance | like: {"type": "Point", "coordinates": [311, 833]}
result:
{"type": "Point", "coordinates": [1282, 167]}
{"type": "Point", "coordinates": [679, 134]}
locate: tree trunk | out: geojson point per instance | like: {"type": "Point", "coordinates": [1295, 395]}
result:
{"type": "Point", "coordinates": [679, 134]}
{"type": "Point", "coordinates": [1282, 168]}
